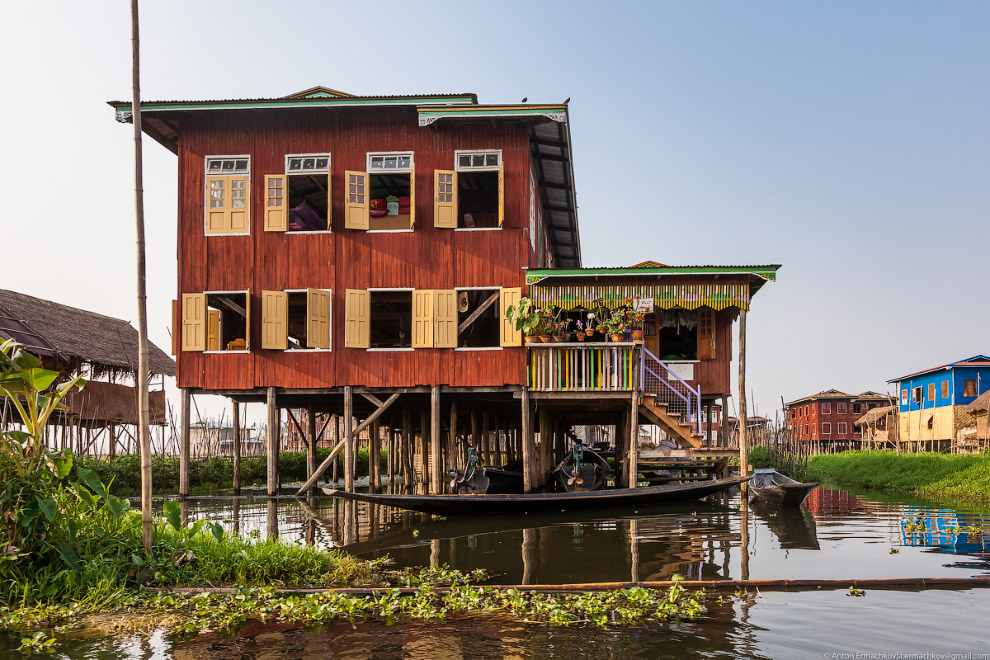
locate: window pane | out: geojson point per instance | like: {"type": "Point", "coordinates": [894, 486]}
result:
{"type": "Point", "coordinates": [322, 163]}
{"type": "Point", "coordinates": [464, 161]}
{"type": "Point", "coordinates": [478, 160]}
{"type": "Point", "coordinates": [491, 159]}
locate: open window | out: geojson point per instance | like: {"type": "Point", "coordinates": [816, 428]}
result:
{"type": "Point", "coordinates": [299, 200]}
{"type": "Point", "coordinates": [677, 334]}
{"type": "Point", "coordinates": [479, 318]}
{"type": "Point", "coordinates": [384, 197]}
{"type": "Point", "coordinates": [216, 321]}
{"type": "Point", "coordinates": [390, 319]}
{"type": "Point", "coordinates": [295, 320]}
{"type": "Point", "coordinates": [227, 195]}
{"type": "Point", "coordinates": [472, 195]}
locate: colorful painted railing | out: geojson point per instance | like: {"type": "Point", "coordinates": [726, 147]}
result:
{"type": "Point", "coordinates": [583, 367]}
{"type": "Point", "coordinates": [666, 386]}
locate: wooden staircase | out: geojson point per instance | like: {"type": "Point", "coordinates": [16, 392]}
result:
{"type": "Point", "coordinates": [679, 431]}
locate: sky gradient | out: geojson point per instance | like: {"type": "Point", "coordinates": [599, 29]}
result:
{"type": "Point", "coordinates": [847, 141]}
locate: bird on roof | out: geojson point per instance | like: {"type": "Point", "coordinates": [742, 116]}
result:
{"type": "Point", "coordinates": [524, 99]}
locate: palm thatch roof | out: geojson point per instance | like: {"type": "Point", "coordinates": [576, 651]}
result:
{"type": "Point", "coordinates": [69, 337]}
{"type": "Point", "coordinates": [875, 414]}
{"type": "Point", "coordinates": [981, 404]}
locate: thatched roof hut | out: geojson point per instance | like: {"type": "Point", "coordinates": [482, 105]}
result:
{"type": "Point", "coordinates": [980, 405]}
{"type": "Point", "coordinates": [67, 337]}
{"type": "Point", "coordinates": [875, 415]}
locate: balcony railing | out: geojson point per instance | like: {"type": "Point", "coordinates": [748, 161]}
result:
{"type": "Point", "coordinates": [583, 367]}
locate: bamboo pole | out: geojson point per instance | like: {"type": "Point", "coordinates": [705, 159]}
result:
{"type": "Point", "coordinates": [743, 439]}
{"type": "Point", "coordinates": [527, 444]}
{"type": "Point", "coordinates": [349, 439]}
{"type": "Point", "coordinates": [434, 469]}
{"type": "Point", "coordinates": [272, 445]}
{"type": "Point", "coordinates": [311, 444]}
{"type": "Point", "coordinates": [144, 405]}
{"type": "Point", "coordinates": [237, 448]}
{"type": "Point", "coordinates": [184, 410]}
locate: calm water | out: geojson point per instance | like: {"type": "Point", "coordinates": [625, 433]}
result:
{"type": "Point", "coordinates": [839, 534]}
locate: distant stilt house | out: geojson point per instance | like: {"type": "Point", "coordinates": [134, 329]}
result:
{"type": "Point", "coordinates": [102, 418]}
{"type": "Point", "coordinates": [976, 437]}
{"type": "Point", "coordinates": [353, 258]}
{"type": "Point", "coordinates": [934, 403]}
{"type": "Point", "coordinates": [216, 438]}
{"type": "Point", "coordinates": [829, 419]}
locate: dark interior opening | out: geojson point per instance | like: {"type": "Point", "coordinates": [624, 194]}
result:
{"type": "Point", "coordinates": [308, 202]}
{"type": "Point", "coordinates": [485, 330]}
{"type": "Point", "coordinates": [391, 319]}
{"type": "Point", "coordinates": [477, 199]}
{"type": "Point", "coordinates": [230, 309]}
{"type": "Point", "coordinates": [678, 343]}
{"type": "Point", "coordinates": [297, 322]}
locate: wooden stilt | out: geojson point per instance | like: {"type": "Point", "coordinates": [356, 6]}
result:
{"type": "Point", "coordinates": [310, 443]}
{"type": "Point", "coordinates": [349, 439]}
{"type": "Point", "coordinates": [723, 427]}
{"type": "Point", "coordinates": [424, 449]}
{"type": "Point", "coordinates": [335, 423]}
{"type": "Point", "coordinates": [184, 410]}
{"type": "Point", "coordinates": [633, 472]}
{"type": "Point", "coordinates": [374, 457]}
{"type": "Point", "coordinates": [236, 448]}
{"type": "Point", "coordinates": [743, 434]}
{"type": "Point", "coordinates": [452, 444]}
{"type": "Point", "coordinates": [527, 445]}
{"type": "Point", "coordinates": [274, 429]}
{"type": "Point", "coordinates": [435, 469]}
{"type": "Point", "coordinates": [407, 449]}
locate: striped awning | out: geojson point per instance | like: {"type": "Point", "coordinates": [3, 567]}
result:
{"type": "Point", "coordinates": [665, 296]}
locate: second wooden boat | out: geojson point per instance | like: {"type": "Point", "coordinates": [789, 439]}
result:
{"type": "Point", "coordinates": [776, 488]}
{"type": "Point", "coordinates": [473, 505]}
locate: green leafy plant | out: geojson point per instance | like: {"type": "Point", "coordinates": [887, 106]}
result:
{"type": "Point", "coordinates": [527, 317]}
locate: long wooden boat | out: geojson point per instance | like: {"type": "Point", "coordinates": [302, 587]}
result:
{"type": "Point", "coordinates": [776, 488]}
{"type": "Point", "coordinates": [582, 470]}
{"type": "Point", "coordinates": [473, 505]}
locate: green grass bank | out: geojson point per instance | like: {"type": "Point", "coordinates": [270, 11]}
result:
{"type": "Point", "coordinates": [954, 476]}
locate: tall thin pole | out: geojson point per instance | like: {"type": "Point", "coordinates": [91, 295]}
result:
{"type": "Point", "coordinates": [743, 431]}
{"type": "Point", "coordinates": [144, 412]}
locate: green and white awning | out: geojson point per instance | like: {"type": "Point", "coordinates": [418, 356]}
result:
{"type": "Point", "coordinates": [665, 296]}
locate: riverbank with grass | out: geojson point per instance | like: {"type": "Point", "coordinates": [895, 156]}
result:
{"type": "Point", "coordinates": [954, 476]}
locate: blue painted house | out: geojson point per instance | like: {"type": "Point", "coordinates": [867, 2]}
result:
{"type": "Point", "coordinates": [933, 402]}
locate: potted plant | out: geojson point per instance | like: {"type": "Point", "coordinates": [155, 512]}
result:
{"type": "Point", "coordinates": [615, 327]}
{"type": "Point", "coordinates": [526, 317]}
{"type": "Point", "coordinates": [590, 330]}
{"type": "Point", "coordinates": [580, 334]}
{"type": "Point", "coordinates": [636, 322]}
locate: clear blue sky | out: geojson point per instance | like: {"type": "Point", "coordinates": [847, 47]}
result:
{"type": "Point", "coordinates": [848, 141]}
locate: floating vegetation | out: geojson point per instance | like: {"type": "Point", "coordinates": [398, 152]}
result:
{"type": "Point", "coordinates": [853, 591]}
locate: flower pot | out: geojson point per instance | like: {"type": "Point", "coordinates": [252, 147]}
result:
{"type": "Point", "coordinates": [530, 338]}
{"type": "Point", "coordinates": [558, 338]}
{"type": "Point", "coordinates": [637, 335]}
{"type": "Point", "coordinates": [545, 339]}
{"type": "Point", "coordinates": [580, 336]}
{"type": "Point", "coordinates": [617, 337]}
{"type": "Point", "coordinates": [590, 332]}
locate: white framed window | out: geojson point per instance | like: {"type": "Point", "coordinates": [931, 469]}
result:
{"type": "Point", "coordinates": [307, 163]}
{"type": "Point", "coordinates": [842, 407]}
{"type": "Point", "coordinates": [228, 165]}
{"type": "Point", "coordinates": [296, 320]}
{"type": "Point", "coordinates": [479, 318]}
{"type": "Point", "coordinates": [842, 429]}
{"type": "Point", "coordinates": [826, 408]}
{"type": "Point", "coordinates": [477, 160]}
{"type": "Point", "coordinates": [390, 161]}
{"type": "Point", "coordinates": [216, 321]}
{"type": "Point", "coordinates": [826, 428]}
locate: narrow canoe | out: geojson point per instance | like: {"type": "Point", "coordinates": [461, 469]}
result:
{"type": "Point", "coordinates": [472, 505]}
{"type": "Point", "coordinates": [776, 488]}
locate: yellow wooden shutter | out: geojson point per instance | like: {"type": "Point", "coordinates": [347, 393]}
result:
{"type": "Point", "coordinates": [240, 205]}
{"type": "Point", "coordinates": [276, 203]}
{"type": "Point", "coordinates": [213, 330]}
{"type": "Point", "coordinates": [274, 320]}
{"type": "Point", "coordinates": [445, 317]}
{"type": "Point", "coordinates": [194, 321]}
{"type": "Point", "coordinates": [317, 318]}
{"type": "Point", "coordinates": [423, 314]}
{"type": "Point", "coordinates": [412, 197]}
{"type": "Point", "coordinates": [508, 336]}
{"type": "Point", "coordinates": [175, 327]}
{"type": "Point", "coordinates": [217, 192]}
{"type": "Point", "coordinates": [501, 193]}
{"type": "Point", "coordinates": [357, 318]}
{"type": "Point", "coordinates": [356, 200]}
{"type": "Point", "coordinates": [706, 333]}
{"type": "Point", "coordinates": [445, 199]}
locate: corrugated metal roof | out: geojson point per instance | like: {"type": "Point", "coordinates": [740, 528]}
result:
{"type": "Point", "coordinates": [293, 97]}
{"type": "Point", "coordinates": [836, 394]}
{"type": "Point", "coordinates": [975, 361]}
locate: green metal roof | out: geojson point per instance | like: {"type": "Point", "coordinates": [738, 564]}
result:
{"type": "Point", "coordinates": [428, 115]}
{"type": "Point", "coordinates": [767, 272]}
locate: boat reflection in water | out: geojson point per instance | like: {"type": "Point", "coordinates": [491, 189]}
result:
{"type": "Point", "coordinates": [794, 527]}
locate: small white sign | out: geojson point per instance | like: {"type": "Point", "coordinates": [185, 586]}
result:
{"type": "Point", "coordinates": [644, 305]}
{"type": "Point", "coordinates": [683, 369]}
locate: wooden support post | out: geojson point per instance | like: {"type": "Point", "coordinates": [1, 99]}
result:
{"type": "Point", "coordinates": [311, 443]}
{"type": "Point", "coordinates": [528, 445]}
{"type": "Point", "coordinates": [184, 411]}
{"type": "Point", "coordinates": [236, 447]}
{"type": "Point", "coordinates": [374, 457]}
{"type": "Point", "coordinates": [335, 422]}
{"type": "Point", "coordinates": [424, 449]}
{"type": "Point", "coordinates": [452, 447]}
{"type": "Point", "coordinates": [723, 427]}
{"type": "Point", "coordinates": [633, 472]}
{"type": "Point", "coordinates": [486, 450]}
{"type": "Point", "coordinates": [349, 439]}
{"type": "Point", "coordinates": [475, 434]}
{"type": "Point", "coordinates": [435, 471]}
{"type": "Point", "coordinates": [274, 429]}
{"type": "Point", "coordinates": [407, 449]}
{"type": "Point", "coordinates": [743, 439]}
